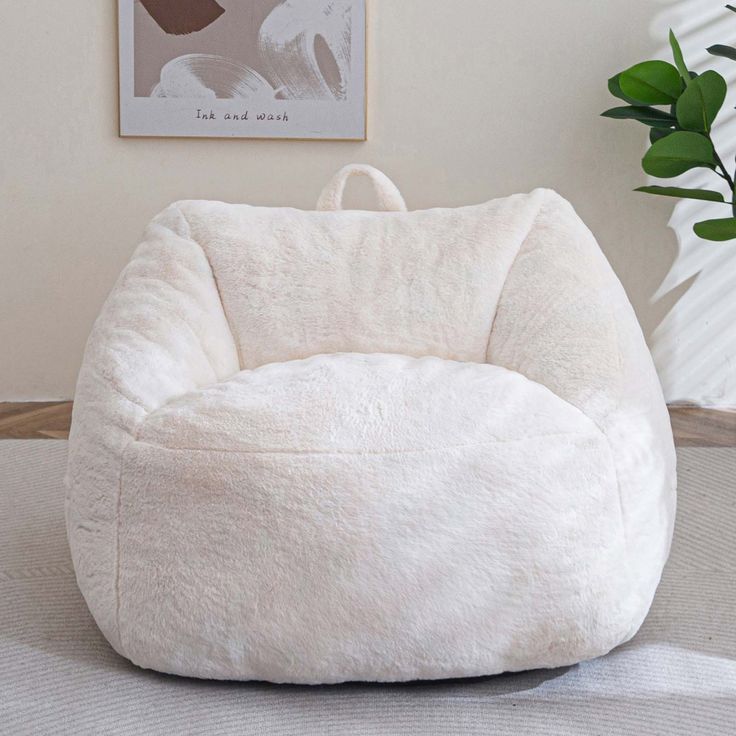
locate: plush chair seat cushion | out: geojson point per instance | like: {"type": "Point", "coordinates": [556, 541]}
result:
{"type": "Point", "coordinates": [363, 404]}
{"type": "Point", "coordinates": [453, 493]}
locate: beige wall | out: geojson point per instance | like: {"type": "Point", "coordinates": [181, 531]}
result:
{"type": "Point", "coordinates": [468, 100]}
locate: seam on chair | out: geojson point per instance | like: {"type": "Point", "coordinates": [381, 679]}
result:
{"type": "Point", "coordinates": [609, 413]}
{"type": "Point", "coordinates": [123, 395]}
{"type": "Point", "coordinates": [118, 507]}
{"type": "Point", "coordinates": [371, 453]}
{"type": "Point", "coordinates": [618, 487]}
{"type": "Point", "coordinates": [522, 243]}
{"type": "Point", "coordinates": [134, 433]}
{"type": "Point", "coordinates": [191, 239]}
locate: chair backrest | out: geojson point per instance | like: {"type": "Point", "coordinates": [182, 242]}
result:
{"type": "Point", "coordinates": [295, 283]}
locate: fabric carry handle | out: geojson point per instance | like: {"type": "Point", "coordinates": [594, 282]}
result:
{"type": "Point", "coordinates": [389, 197]}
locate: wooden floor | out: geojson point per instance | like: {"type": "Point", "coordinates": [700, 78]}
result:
{"type": "Point", "coordinates": [35, 421]}
{"type": "Point", "coordinates": [693, 426]}
{"type": "Point", "coordinates": [698, 427]}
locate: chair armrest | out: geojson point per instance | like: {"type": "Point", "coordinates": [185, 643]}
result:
{"type": "Point", "coordinates": [161, 334]}
{"type": "Point", "coordinates": [564, 321]}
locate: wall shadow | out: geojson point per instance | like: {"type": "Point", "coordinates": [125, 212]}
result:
{"type": "Point", "coordinates": [694, 342]}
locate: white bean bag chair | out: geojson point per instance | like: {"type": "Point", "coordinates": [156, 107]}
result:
{"type": "Point", "coordinates": [315, 447]}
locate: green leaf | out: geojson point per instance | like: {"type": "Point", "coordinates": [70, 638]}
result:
{"type": "Point", "coordinates": [652, 83]}
{"type": "Point", "coordinates": [647, 115]}
{"type": "Point", "coordinates": [656, 134]}
{"type": "Point", "coordinates": [701, 102]}
{"type": "Point", "coordinates": [717, 230]}
{"type": "Point", "coordinates": [702, 194]}
{"type": "Point", "coordinates": [614, 87]}
{"type": "Point", "coordinates": [728, 52]}
{"type": "Point", "coordinates": [677, 153]}
{"type": "Point", "coordinates": [679, 58]}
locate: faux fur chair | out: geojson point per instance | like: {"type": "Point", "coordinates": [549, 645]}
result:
{"type": "Point", "coordinates": [314, 447]}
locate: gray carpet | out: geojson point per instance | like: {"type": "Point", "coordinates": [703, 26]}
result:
{"type": "Point", "coordinates": [58, 676]}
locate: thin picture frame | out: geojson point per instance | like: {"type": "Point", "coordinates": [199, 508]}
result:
{"type": "Point", "coordinates": [268, 102]}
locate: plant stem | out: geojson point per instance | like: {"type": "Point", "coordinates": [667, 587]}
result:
{"type": "Point", "coordinates": [725, 175]}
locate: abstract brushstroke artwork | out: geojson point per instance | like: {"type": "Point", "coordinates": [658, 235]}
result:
{"type": "Point", "coordinates": [243, 68]}
{"type": "Point", "coordinates": [180, 17]}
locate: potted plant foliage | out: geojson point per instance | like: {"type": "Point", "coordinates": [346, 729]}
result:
{"type": "Point", "coordinates": [680, 108]}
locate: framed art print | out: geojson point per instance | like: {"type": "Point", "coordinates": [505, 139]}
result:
{"type": "Point", "coordinates": [243, 68]}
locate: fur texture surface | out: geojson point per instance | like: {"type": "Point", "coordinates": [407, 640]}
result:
{"type": "Point", "coordinates": [315, 447]}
